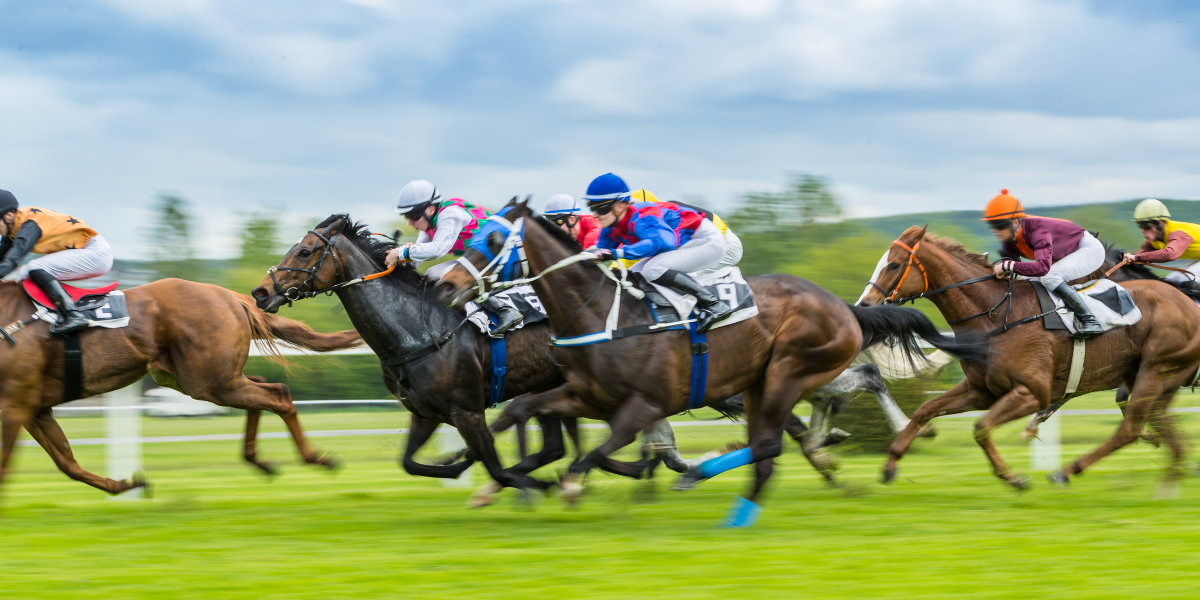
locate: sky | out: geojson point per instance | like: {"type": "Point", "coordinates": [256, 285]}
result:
{"type": "Point", "coordinates": [305, 108]}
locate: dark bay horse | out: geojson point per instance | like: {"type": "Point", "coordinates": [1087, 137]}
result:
{"type": "Point", "coordinates": [437, 364]}
{"type": "Point", "coordinates": [192, 337]}
{"type": "Point", "coordinates": [1153, 357]}
{"type": "Point", "coordinates": [802, 338]}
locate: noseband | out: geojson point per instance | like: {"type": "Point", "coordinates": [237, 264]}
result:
{"type": "Point", "coordinates": [891, 293]}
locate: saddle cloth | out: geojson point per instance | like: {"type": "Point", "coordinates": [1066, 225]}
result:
{"type": "Point", "coordinates": [103, 306]}
{"type": "Point", "coordinates": [1111, 304]}
{"type": "Point", "coordinates": [726, 284]}
{"type": "Point", "coordinates": [522, 297]}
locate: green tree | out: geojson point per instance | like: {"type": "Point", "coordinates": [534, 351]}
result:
{"type": "Point", "coordinates": [776, 227]}
{"type": "Point", "coordinates": [260, 239]}
{"type": "Point", "coordinates": [171, 236]}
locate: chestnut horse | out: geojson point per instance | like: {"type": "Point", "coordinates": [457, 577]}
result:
{"type": "Point", "coordinates": [802, 338]}
{"type": "Point", "coordinates": [1153, 357]}
{"type": "Point", "coordinates": [192, 337]}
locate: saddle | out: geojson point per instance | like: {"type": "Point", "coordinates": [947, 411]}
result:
{"type": "Point", "coordinates": [1110, 303]}
{"type": "Point", "coordinates": [84, 298]}
{"type": "Point", "coordinates": [102, 306]}
{"type": "Point", "coordinates": [726, 284]}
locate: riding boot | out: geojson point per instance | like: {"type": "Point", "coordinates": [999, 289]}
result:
{"type": "Point", "coordinates": [1189, 287]}
{"type": "Point", "coordinates": [1088, 325]}
{"type": "Point", "coordinates": [70, 318]}
{"type": "Point", "coordinates": [507, 317]}
{"type": "Point", "coordinates": [711, 309]}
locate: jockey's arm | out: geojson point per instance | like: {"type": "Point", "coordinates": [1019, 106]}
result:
{"type": "Point", "coordinates": [655, 237]}
{"type": "Point", "coordinates": [1177, 243]}
{"type": "Point", "coordinates": [1043, 255]}
{"type": "Point", "coordinates": [451, 222]}
{"type": "Point", "coordinates": [1009, 250]}
{"type": "Point", "coordinates": [15, 249]}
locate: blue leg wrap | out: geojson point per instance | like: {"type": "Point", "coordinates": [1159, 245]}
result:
{"type": "Point", "coordinates": [725, 462]}
{"type": "Point", "coordinates": [743, 513]}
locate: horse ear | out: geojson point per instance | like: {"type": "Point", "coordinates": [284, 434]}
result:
{"type": "Point", "coordinates": [921, 233]}
{"type": "Point", "coordinates": [524, 202]}
{"type": "Point", "coordinates": [336, 226]}
{"type": "Point", "coordinates": [512, 202]}
{"type": "Point", "coordinates": [396, 236]}
{"type": "Point", "coordinates": [495, 241]}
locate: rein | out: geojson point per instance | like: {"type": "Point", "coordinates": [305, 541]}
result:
{"type": "Point", "coordinates": [1109, 272]}
{"type": "Point", "coordinates": [892, 292]}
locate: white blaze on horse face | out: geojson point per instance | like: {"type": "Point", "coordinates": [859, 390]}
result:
{"type": "Point", "coordinates": [883, 261]}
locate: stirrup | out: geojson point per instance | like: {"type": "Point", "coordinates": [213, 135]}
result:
{"type": "Point", "coordinates": [504, 327]}
{"type": "Point", "coordinates": [66, 325]}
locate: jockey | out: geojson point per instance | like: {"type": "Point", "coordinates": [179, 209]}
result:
{"type": "Point", "coordinates": [445, 226]}
{"type": "Point", "coordinates": [565, 212]}
{"type": "Point", "coordinates": [1167, 240]}
{"type": "Point", "coordinates": [71, 250]}
{"type": "Point", "coordinates": [733, 244]}
{"type": "Point", "coordinates": [1061, 252]}
{"type": "Point", "coordinates": [677, 240]}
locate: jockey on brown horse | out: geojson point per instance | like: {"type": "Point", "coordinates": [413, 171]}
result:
{"type": "Point", "coordinates": [71, 250]}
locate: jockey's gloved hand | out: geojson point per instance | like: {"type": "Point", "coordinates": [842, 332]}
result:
{"type": "Point", "coordinates": [602, 253]}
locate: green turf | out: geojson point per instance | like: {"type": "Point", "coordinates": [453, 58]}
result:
{"type": "Point", "coordinates": [947, 528]}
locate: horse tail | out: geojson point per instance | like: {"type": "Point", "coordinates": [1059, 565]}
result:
{"type": "Point", "coordinates": [900, 327]}
{"type": "Point", "coordinates": [265, 328]}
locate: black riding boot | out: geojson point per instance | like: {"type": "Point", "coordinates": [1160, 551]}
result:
{"type": "Point", "coordinates": [70, 319]}
{"type": "Point", "coordinates": [711, 309]}
{"type": "Point", "coordinates": [507, 317]}
{"type": "Point", "coordinates": [1088, 325]}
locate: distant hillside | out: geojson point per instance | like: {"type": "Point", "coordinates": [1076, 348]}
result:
{"type": "Point", "coordinates": [1112, 220]}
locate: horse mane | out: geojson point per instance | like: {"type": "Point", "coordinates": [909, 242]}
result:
{"type": "Point", "coordinates": [955, 248]}
{"type": "Point", "coordinates": [375, 247]}
{"type": "Point", "coordinates": [1114, 255]}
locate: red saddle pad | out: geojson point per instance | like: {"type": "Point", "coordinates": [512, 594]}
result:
{"type": "Point", "coordinates": [39, 296]}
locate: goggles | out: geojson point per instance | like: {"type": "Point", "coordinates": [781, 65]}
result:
{"type": "Point", "coordinates": [601, 208]}
{"type": "Point", "coordinates": [1000, 225]}
{"type": "Point", "coordinates": [416, 212]}
{"type": "Point", "coordinates": [561, 219]}
{"type": "Point", "coordinates": [1147, 225]}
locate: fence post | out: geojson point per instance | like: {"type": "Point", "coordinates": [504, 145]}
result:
{"type": "Point", "coordinates": [449, 442]}
{"type": "Point", "coordinates": [123, 430]}
{"type": "Point", "coordinates": [1045, 451]}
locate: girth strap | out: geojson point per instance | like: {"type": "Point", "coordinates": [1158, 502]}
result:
{"type": "Point", "coordinates": [73, 372]}
{"type": "Point", "coordinates": [432, 347]}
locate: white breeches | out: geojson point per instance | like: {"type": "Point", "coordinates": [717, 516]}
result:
{"type": "Point", "coordinates": [1080, 263]}
{"type": "Point", "coordinates": [1193, 268]}
{"type": "Point", "coordinates": [92, 260]}
{"type": "Point", "coordinates": [732, 256]}
{"type": "Point", "coordinates": [704, 251]}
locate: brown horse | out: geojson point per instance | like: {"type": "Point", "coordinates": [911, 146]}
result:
{"type": "Point", "coordinates": [1030, 366]}
{"type": "Point", "coordinates": [192, 337]}
{"type": "Point", "coordinates": [802, 338]}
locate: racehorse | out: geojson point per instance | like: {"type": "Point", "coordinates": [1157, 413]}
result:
{"type": "Point", "coordinates": [433, 360]}
{"type": "Point", "coordinates": [801, 339]}
{"type": "Point", "coordinates": [1154, 357]}
{"type": "Point", "coordinates": [192, 337]}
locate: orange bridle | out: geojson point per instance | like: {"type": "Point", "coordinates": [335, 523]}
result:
{"type": "Point", "coordinates": [908, 265]}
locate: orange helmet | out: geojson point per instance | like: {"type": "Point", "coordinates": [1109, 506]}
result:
{"type": "Point", "coordinates": [1003, 207]}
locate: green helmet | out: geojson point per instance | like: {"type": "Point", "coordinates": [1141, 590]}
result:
{"type": "Point", "coordinates": [1151, 210]}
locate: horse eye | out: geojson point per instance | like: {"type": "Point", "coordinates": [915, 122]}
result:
{"type": "Point", "coordinates": [305, 253]}
{"type": "Point", "coordinates": [893, 266]}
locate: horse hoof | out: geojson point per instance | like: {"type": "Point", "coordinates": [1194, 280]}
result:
{"type": "Point", "coordinates": [1058, 478]}
{"type": "Point", "coordinates": [484, 496]}
{"type": "Point", "coordinates": [835, 437]}
{"type": "Point", "coordinates": [1029, 434]}
{"type": "Point", "coordinates": [687, 481]}
{"type": "Point", "coordinates": [330, 461]}
{"type": "Point", "coordinates": [1152, 438]}
{"type": "Point", "coordinates": [270, 468]}
{"type": "Point", "coordinates": [525, 500]}
{"type": "Point", "coordinates": [889, 475]}
{"type": "Point", "coordinates": [140, 480]}
{"type": "Point", "coordinates": [1019, 483]}
{"type": "Point", "coordinates": [927, 431]}
{"type": "Point", "coordinates": [571, 491]}
{"type": "Point", "coordinates": [743, 513]}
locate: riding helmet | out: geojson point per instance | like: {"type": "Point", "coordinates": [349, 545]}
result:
{"type": "Point", "coordinates": [417, 193]}
{"type": "Point", "coordinates": [8, 202]}
{"type": "Point", "coordinates": [562, 204]}
{"type": "Point", "coordinates": [1003, 207]}
{"type": "Point", "coordinates": [1151, 210]}
{"type": "Point", "coordinates": [606, 189]}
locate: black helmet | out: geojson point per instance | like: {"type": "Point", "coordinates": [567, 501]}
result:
{"type": "Point", "coordinates": [8, 202]}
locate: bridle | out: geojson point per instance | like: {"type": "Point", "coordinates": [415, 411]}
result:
{"type": "Point", "coordinates": [891, 293]}
{"type": "Point", "coordinates": [487, 279]}
{"type": "Point", "coordinates": [299, 293]}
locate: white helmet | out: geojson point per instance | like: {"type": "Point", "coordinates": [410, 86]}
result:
{"type": "Point", "coordinates": [562, 204]}
{"type": "Point", "coordinates": [415, 194]}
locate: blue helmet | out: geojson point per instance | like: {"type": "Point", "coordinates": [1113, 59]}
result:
{"type": "Point", "coordinates": [606, 189]}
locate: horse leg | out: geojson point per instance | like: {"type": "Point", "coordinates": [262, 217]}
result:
{"type": "Point", "coordinates": [1160, 420]}
{"type": "Point", "coordinates": [1031, 430]}
{"type": "Point", "coordinates": [1147, 388]}
{"type": "Point", "coordinates": [811, 443]}
{"type": "Point", "coordinates": [957, 399]}
{"type": "Point", "coordinates": [634, 415]}
{"type": "Point", "coordinates": [248, 395]}
{"type": "Point", "coordinates": [522, 430]}
{"type": "Point", "coordinates": [1017, 403]}
{"type": "Point", "coordinates": [659, 441]}
{"type": "Point", "coordinates": [553, 447]}
{"type": "Point", "coordinates": [1122, 399]}
{"type": "Point", "coordinates": [250, 440]}
{"type": "Point", "coordinates": [474, 429]}
{"type": "Point", "coordinates": [12, 419]}
{"type": "Point", "coordinates": [420, 430]}
{"type": "Point", "coordinates": [49, 435]}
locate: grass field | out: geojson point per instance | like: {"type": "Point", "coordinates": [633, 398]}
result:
{"type": "Point", "coordinates": [947, 528]}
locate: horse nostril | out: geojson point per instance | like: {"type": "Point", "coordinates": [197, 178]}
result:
{"type": "Point", "coordinates": [260, 293]}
